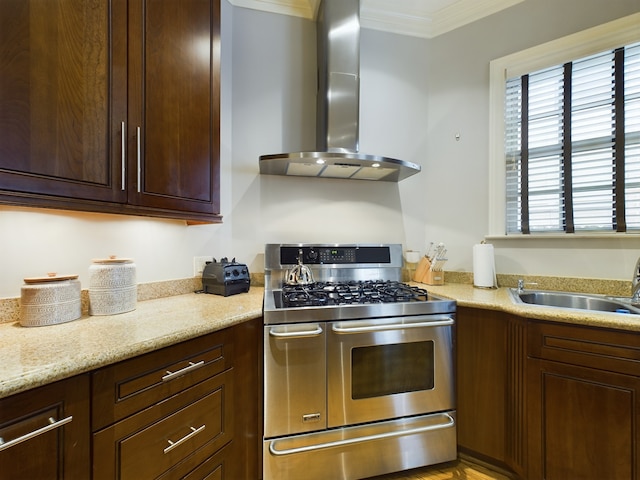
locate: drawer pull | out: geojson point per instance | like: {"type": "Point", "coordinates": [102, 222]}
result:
{"type": "Point", "coordinates": [192, 366]}
{"type": "Point", "coordinates": [53, 424]}
{"type": "Point", "coordinates": [193, 432]}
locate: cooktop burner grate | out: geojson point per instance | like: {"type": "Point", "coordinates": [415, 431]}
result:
{"type": "Point", "coordinates": [352, 292]}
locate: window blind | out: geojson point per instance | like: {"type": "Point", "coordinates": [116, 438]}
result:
{"type": "Point", "coordinates": [572, 145]}
{"type": "Point", "coordinates": [632, 135]}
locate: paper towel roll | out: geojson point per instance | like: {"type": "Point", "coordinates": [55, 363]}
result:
{"type": "Point", "coordinates": [484, 269]}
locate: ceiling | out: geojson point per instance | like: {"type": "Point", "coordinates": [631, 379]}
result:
{"type": "Point", "coordinates": [418, 18]}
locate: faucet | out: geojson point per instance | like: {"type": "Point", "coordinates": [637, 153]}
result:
{"type": "Point", "coordinates": [522, 283]}
{"type": "Point", "coordinates": [635, 284]}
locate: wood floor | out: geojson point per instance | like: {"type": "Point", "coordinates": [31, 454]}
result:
{"type": "Point", "coordinates": [459, 470]}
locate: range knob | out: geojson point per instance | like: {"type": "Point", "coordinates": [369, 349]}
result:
{"type": "Point", "coordinates": [312, 255]}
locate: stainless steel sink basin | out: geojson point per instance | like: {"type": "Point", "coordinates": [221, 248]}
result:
{"type": "Point", "coordinates": [578, 301]}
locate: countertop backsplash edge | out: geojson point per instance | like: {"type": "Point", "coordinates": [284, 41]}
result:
{"type": "Point", "coordinates": [10, 307]}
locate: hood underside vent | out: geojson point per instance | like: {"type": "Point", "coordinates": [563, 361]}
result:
{"type": "Point", "coordinates": [337, 122]}
{"type": "Point", "coordinates": [353, 166]}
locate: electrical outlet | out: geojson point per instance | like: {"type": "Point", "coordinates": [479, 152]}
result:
{"type": "Point", "coordinates": [198, 265]}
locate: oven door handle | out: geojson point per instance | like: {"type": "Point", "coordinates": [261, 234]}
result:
{"type": "Point", "coordinates": [304, 333]}
{"type": "Point", "coordinates": [450, 422]}
{"type": "Point", "coordinates": [393, 326]}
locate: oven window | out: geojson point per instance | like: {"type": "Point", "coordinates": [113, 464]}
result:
{"type": "Point", "coordinates": [381, 370]}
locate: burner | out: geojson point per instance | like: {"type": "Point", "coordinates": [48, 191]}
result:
{"type": "Point", "coordinates": [352, 292]}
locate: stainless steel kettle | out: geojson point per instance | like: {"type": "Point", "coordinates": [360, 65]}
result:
{"type": "Point", "coordinates": [300, 274]}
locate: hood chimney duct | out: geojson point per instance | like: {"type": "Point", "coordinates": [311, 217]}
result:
{"type": "Point", "coordinates": [338, 102]}
{"type": "Point", "coordinates": [338, 108]}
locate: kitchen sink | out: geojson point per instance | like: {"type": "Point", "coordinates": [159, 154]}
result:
{"type": "Point", "coordinates": [580, 301]}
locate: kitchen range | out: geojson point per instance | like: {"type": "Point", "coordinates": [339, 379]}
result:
{"type": "Point", "coordinates": [358, 367]}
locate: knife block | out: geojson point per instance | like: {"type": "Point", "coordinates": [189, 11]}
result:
{"type": "Point", "coordinates": [424, 274]}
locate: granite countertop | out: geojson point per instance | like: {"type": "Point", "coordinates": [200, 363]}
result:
{"type": "Point", "coordinates": [35, 356]}
{"type": "Point", "coordinates": [499, 299]}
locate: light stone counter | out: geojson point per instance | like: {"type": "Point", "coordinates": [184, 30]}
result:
{"type": "Point", "coordinates": [35, 356]}
{"type": "Point", "coordinates": [30, 357]}
{"type": "Point", "coordinates": [499, 299]}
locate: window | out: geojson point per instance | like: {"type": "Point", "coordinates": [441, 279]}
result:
{"type": "Point", "coordinates": [570, 134]}
{"type": "Point", "coordinates": [572, 145]}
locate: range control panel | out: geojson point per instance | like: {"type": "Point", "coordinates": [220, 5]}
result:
{"type": "Point", "coordinates": [318, 255]}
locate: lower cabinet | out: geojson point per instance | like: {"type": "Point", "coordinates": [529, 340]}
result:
{"type": "Point", "coordinates": [548, 400]}
{"type": "Point", "coordinates": [583, 403]}
{"type": "Point", "coordinates": [45, 432]}
{"type": "Point", "coordinates": [173, 438]}
{"type": "Point", "coordinates": [540, 400]}
{"type": "Point", "coordinates": [490, 362]}
{"type": "Point", "coordinates": [189, 411]}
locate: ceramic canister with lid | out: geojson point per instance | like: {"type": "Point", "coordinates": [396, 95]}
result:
{"type": "Point", "coordinates": [49, 300]}
{"type": "Point", "coordinates": [112, 286]}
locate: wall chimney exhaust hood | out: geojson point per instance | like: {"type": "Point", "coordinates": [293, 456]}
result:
{"type": "Point", "coordinates": [337, 122]}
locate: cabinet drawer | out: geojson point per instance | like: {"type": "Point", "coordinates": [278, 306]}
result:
{"type": "Point", "coordinates": [610, 350]}
{"type": "Point", "coordinates": [46, 432]}
{"type": "Point", "coordinates": [214, 468]}
{"type": "Point", "coordinates": [130, 386]}
{"type": "Point", "coordinates": [180, 435]}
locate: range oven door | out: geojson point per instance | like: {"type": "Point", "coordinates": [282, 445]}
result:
{"type": "Point", "coordinates": [294, 379]}
{"type": "Point", "coordinates": [385, 368]}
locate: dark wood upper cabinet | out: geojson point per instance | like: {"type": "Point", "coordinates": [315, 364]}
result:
{"type": "Point", "coordinates": [173, 125]}
{"type": "Point", "coordinates": [57, 96]}
{"type": "Point", "coordinates": [111, 106]}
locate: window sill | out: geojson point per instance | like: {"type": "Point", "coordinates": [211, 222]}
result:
{"type": "Point", "coordinates": [566, 236]}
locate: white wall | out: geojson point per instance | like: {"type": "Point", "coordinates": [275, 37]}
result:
{"type": "Point", "coordinates": [459, 103]}
{"type": "Point", "coordinates": [416, 95]}
{"type": "Point", "coordinates": [274, 98]}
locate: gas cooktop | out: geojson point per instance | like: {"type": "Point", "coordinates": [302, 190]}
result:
{"type": "Point", "coordinates": [348, 293]}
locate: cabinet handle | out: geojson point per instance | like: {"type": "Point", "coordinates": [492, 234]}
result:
{"type": "Point", "coordinates": [122, 153]}
{"type": "Point", "coordinates": [392, 326]}
{"type": "Point", "coordinates": [193, 432]}
{"type": "Point", "coordinates": [138, 140]}
{"type": "Point", "coordinates": [450, 422]}
{"type": "Point", "coordinates": [182, 371]}
{"type": "Point", "coordinates": [53, 424]}
{"type": "Point", "coordinates": [307, 333]}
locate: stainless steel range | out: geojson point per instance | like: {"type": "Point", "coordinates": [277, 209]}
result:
{"type": "Point", "coordinates": [358, 368]}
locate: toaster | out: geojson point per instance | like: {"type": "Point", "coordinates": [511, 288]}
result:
{"type": "Point", "coordinates": [225, 277]}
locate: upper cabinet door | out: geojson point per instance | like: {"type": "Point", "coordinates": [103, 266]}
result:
{"type": "Point", "coordinates": [174, 85]}
{"type": "Point", "coordinates": [63, 99]}
{"type": "Point", "coordinates": [111, 106]}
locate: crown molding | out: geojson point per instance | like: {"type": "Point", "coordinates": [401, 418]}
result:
{"type": "Point", "coordinates": [464, 12]}
{"type": "Point", "coordinates": [417, 18]}
{"type": "Point", "coordinates": [295, 8]}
